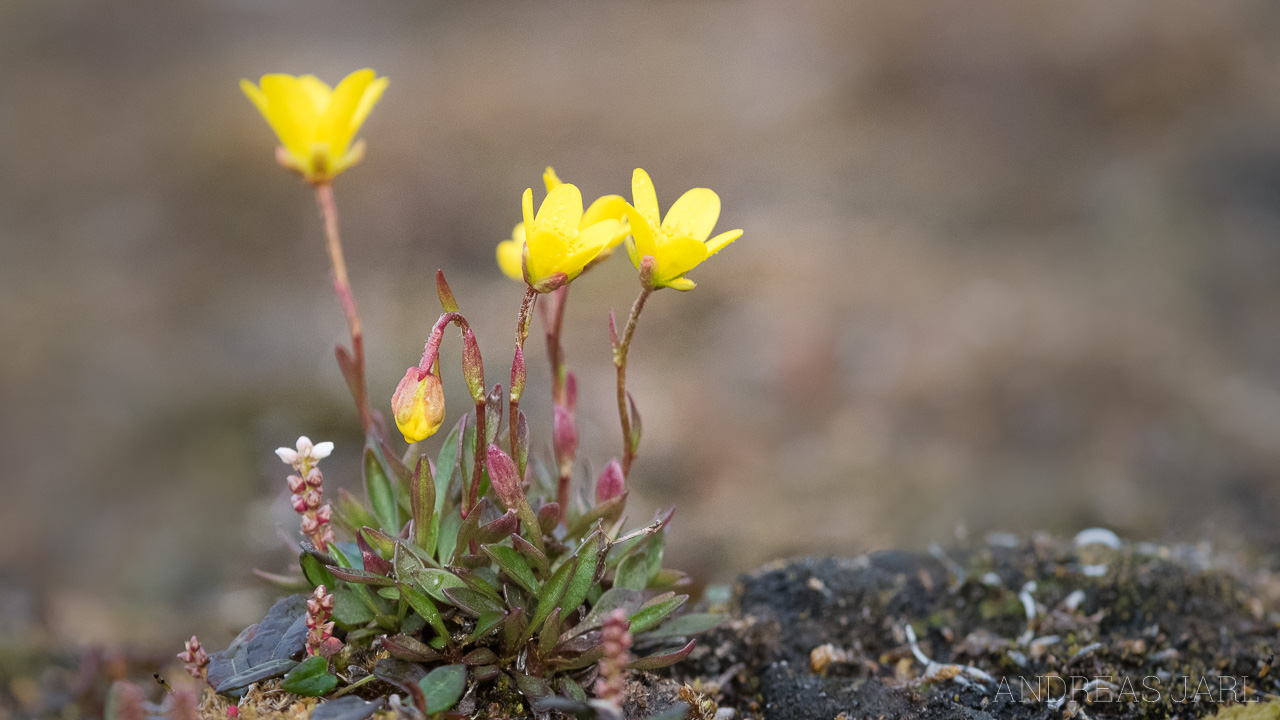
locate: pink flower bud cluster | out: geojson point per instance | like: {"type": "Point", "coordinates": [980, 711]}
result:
{"type": "Point", "coordinates": [616, 642]}
{"type": "Point", "coordinates": [194, 659]}
{"type": "Point", "coordinates": [319, 627]}
{"type": "Point", "coordinates": [308, 491]}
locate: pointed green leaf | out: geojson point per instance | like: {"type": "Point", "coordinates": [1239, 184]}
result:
{"type": "Point", "coordinates": [653, 662]}
{"type": "Point", "coordinates": [434, 582]}
{"type": "Point", "coordinates": [473, 602]}
{"type": "Point", "coordinates": [315, 571]}
{"type": "Point", "coordinates": [686, 625]}
{"type": "Point", "coordinates": [422, 502]}
{"type": "Point", "coordinates": [442, 688]}
{"type": "Point", "coordinates": [514, 565]}
{"type": "Point", "coordinates": [310, 678]}
{"type": "Point", "coordinates": [447, 540]}
{"type": "Point", "coordinates": [535, 556]}
{"type": "Point", "coordinates": [655, 611]}
{"type": "Point", "coordinates": [349, 609]}
{"type": "Point", "coordinates": [549, 634]}
{"type": "Point", "coordinates": [422, 605]}
{"type": "Point", "coordinates": [633, 572]}
{"type": "Point", "coordinates": [485, 625]}
{"type": "Point", "coordinates": [585, 575]}
{"type": "Point", "coordinates": [549, 598]}
{"type": "Point", "coordinates": [381, 496]}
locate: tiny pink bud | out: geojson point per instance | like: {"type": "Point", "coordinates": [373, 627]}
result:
{"type": "Point", "coordinates": [309, 525]}
{"type": "Point", "coordinates": [505, 477]}
{"type": "Point", "coordinates": [296, 484]}
{"type": "Point", "coordinates": [233, 711]}
{"type": "Point", "coordinates": [472, 365]}
{"type": "Point", "coordinates": [313, 499]}
{"type": "Point", "coordinates": [612, 482]}
{"type": "Point", "coordinates": [517, 374]}
{"type": "Point", "coordinates": [314, 478]}
{"type": "Point", "coordinates": [324, 514]}
{"type": "Point", "coordinates": [299, 503]}
{"type": "Point", "coordinates": [565, 434]}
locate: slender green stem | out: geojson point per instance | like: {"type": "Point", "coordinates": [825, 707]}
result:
{"type": "Point", "coordinates": [342, 285]}
{"type": "Point", "coordinates": [559, 394]}
{"type": "Point", "coordinates": [620, 362]}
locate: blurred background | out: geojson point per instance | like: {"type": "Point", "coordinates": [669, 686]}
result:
{"type": "Point", "coordinates": [1006, 266]}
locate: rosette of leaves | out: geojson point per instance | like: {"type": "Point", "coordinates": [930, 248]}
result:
{"type": "Point", "coordinates": [498, 592]}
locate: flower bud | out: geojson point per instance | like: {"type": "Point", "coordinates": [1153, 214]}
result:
{"type": "Point", "coordinates": [312, 499]}
{"type": "Point", "coordinates": [324, 514]}
{"type": "Point", "coordinates": [309, 524]}
{"type": "Point", "coordinates": [612, 482]}
{"type": "Point", "coordinates": [472, 364]}
{"type": "Point", "coordinates": [314, 478]}
{"type": "Point", "coordinates": [517, 374]}
{"type": "Point", "coordinates": [299, 503]}
{"type": "Point", "coordinates": [565, 435]}
{"type": "Point", "coordinates": [418, 405]}
{"type": "Point", "coordinates": [296, 484]}
{"type": "Point", "coordinates": [505, 477]}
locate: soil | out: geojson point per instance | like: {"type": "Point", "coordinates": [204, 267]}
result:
{"type": "Point", "coordinates": [1139, 631]}
{"type": "Point", "coordinates": [822, 638]}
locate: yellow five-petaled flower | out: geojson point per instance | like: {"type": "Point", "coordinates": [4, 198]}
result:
{"type": "Point", "coordinates": [510, 253]}
{"type": "Point", "coordinates": [316, 124]}
{"type": "Point", "coordinates": [679, 242]}
{"type": "Point", "coordinates": [558, 244]}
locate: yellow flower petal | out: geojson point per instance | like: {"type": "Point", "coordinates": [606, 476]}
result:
{"type": "Point", "coordinates": [254, 93]}
{"type": "Point", "coordinates": [561, 211]}
{"type": "Point", "coordinates": [526, 206]}
{"type": "Point", "coordinates": [547, 252]}
{"type": "Point", "coordinates": [642, 235]}
{"type": "Point", "coordinates": [510, 258]}
{"type": "Point", "coordinates": [318, 90]}
{"type": "Point", "coordinates": [292, 115]}
{"type": "Point", "coordinates": [693, 215]}
{"type": "Point", "coordinates": [372, 94]}
{"type": "Point", "coordinates": [717, 243]}
{"type": "Point", "coordinates": [550, 179]}
{"type": "Point", "coordinates": [604, 208]}
{"type": "Point", "coordinates": [683, 284]}
{"type": "Point", "coordinates": [678, 256]}
{"type": "Point", "coordinates": [644, 198]}
{"type": "Point", "coordinates": [335, 128]}
{"type": "Point", "coordinates": [598, 236]}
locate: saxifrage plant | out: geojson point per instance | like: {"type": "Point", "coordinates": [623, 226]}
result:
{"type": "Point", "coordinates": [479, 563]}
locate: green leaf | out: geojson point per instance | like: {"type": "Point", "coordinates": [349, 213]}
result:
{"type": "Point", "coordinates": [514, 565]}
{"type": "Point", "coordinates": [422, 502]}
{"type": "Point", "coordinates": [653, 662]}
{"type": "Point", "coordinates": [535, 556]}
{"type": "Point", "coordinates": [653, 556]}
{"type": "Point", "coordinates": [572, 689]}
{"type": "Point", "coordinates": [381, 496]}
{"type": "Point", "coordinates": [447, 540]}
{"type": "Point", "coordinates": [310, 678]}
{"type": "Point", "coordinates": [406, 562]}
{"type": "Point", "coordinates": [549, 598]}
{"type": "Point", "coordinates": [585, 575]}
{"type": "Point", "coordinates": [361, 577]}
{"type": "Point", "coordinates": [549, 634]}
{"type": "Point", "coordinates": [633, 572]}
{"type": "Point", "coordinates": [389, 593]}
{"type": "Point", "coordinates": [655, 611]}
{"type": "Point", "coordinates": [442, 688]}
{"type": "Point", "coordinates": [468, 454]}
{"type": "Point", "coordinates": [422, 605]}
{"type": "Point", "coordinates": [434, 582]}
{"type": "Point", "coordinates": [686, 625]}
{"type": "Point", "coordinates": [349, 609]}
{"type": "Point", "coordinates": [609, 510]}
{"type": "Point", "coordinates": [316, 572]}
{"type": "Point", "coordinates": [352, 512]}
{"type": "Point", "coordinates": [447, 462]}
{"type": "Point", "coordinates": [485, 625]}
{"type": "Point", "coordinates": [472, 602]}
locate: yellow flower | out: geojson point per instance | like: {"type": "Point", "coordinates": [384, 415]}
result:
{"type": "Point", "coordinates": [679, 243]}
{"type": "Point", "coordinates": [418, 405]}
{"type": "Point", "coordinates": [555, 246]}
{"type": "Point", "coordinates": [510, 253]}
{"type": "Point", "coordinates": [316, 124]}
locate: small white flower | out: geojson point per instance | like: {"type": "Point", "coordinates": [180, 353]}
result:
{"type": "Point", "coordinates": [307, 453]}
{"type": "Point", "coordinates": [304, 446]}
{"type": "Point", "coordinates": [288, 455]}
{"type": "Point", "coordinates": [322, 450]}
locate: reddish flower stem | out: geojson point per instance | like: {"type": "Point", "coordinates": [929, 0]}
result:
{"type": "Point", "coordinates": [342, 285]}
{"type": "Point", "coordinates": [554, 321]}
{"type": "Point", "coordinates": [522, 334]}
{"type": "Point", "coordinates": [620, 362]}
{"type": "Point", "coordinates": [430, 354]}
